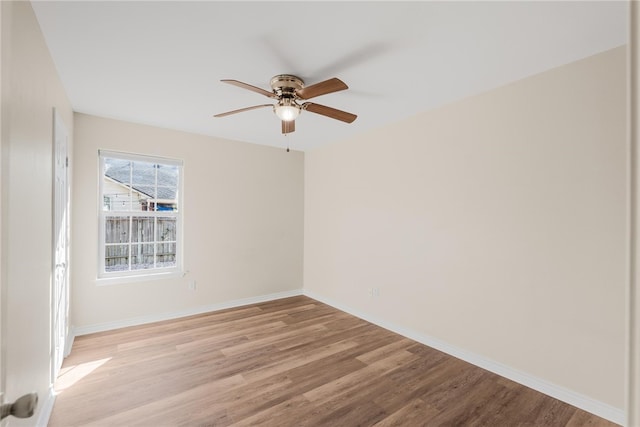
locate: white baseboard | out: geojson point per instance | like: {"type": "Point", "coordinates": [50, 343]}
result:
{"type": "Point", "coordinates": [135, 321]}
{"type": "Point", "coordinates": [46, 407]}
{"type": "Point", "coordinates": [578, 400]}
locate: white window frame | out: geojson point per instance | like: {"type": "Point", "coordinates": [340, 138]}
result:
{"type": "Point", "coordinates": [142, 274]}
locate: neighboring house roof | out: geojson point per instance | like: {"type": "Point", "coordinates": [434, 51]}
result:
{"type": "Point", "coordinates": [143, 176]}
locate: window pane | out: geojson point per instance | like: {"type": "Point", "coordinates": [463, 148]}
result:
{"type": "Point", "coordinates": [144, 174]}
{"type": "Point", "coordinates": [142, 256]}
{"type": "Point", "coordinates": [116, 258]}
{"type": "Point", "coordinates": [117, 185]}
{"type": "Point", "coordinates": [116, 197]}
{"type": "Point", "coordinates": [166, 255]}
{"type": "Point", "coordinates": [144, 185]}
{"type": "Point", "coordinates": [145, 196]}
{"type": "Point", "coordinates": [116, 229]}
{"type": "Point", "coordinates": [118, 170]}
{"type": "Point", "coordinates": [146, 191]}
{"type": "Point", "coordinates": [166, 229]}
{"type": "Point", "coordinates": [168, 176]}
{"type": "Point", "coordinates": [167, 188]}
{"type": "Point", "coordinates": [142, 229]}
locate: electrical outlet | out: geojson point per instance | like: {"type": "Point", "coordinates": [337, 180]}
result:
{"type": "Point", "coordinates": [376, 292]}
{"type": "Point", "coordinates": [192, 285]}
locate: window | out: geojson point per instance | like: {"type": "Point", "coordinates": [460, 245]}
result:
{"type": "Point", "coordinates": [140, 219]}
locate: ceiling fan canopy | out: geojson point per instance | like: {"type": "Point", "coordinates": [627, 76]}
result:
{"type": "Point", "coordinates": [290, 93]}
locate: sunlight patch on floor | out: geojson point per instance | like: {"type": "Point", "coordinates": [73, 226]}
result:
{"type": "Point", "coordinates": [69, 375]}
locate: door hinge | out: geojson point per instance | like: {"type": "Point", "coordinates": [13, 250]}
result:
{"type": "Point", "coordinates": [66, 161]}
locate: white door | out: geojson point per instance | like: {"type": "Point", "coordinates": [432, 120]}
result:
{"type": "Point", "coordinates": [60, 240]}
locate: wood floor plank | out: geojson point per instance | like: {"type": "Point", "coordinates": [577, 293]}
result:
{"type": "Point", "coordinates": [468, 403]}
{"type": "Point", "coordinates": [274, 338]}
{"type": "Point", "coordinates": [295, 362]}
{"type": "Point", "coordinates": [192, 401]}
{"type": "Point", "coordinates": [364, 413]}
{"type": "Point", "coordinates": [584, 419]}
{"type": "Point", "coordinates": [251, 333]}
{"type": "Point", "coordinates": [294, 408]}
{"type": "Point", "coordinates": [359, 378]}
{"type": "Point", "coordinates": [289, 362]}
{"type": "Point", "coordinates": [416, 413]}
{"type": "Point", "coordinates": [384, 351]}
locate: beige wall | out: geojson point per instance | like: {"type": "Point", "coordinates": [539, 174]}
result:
{"type": "Point", "coordinates": [30, 91]}
{"type": "Point", "coordinates": [243, 222]}
{"type": "Point", "coordinates": [495, 224]}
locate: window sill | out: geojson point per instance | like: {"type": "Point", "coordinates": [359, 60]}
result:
{"type": "Point", "coordinates": [116, 280]}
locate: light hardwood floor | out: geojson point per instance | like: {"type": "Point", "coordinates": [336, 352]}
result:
{"type": "Point", "coordinates": [290, 362]}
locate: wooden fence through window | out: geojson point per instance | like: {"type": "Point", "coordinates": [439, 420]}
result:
{"type": "Point", "coordinates": [145, 244]}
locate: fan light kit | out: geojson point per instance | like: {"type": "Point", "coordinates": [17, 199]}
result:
{"type": "Point", "coordinates": [287, 110]}
{"type": "Point", "coordinates": [288, 90]}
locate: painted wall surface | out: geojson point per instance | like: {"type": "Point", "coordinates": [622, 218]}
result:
{"type": "Point", "coordinates": [243, 222]}
{"type": "Point", "coordinates": [30, 91]}
{"type": "Point", "coordinates": [496, 224]}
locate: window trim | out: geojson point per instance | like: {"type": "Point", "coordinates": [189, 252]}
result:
{"type": "Point", "coordinates": [104, 277]}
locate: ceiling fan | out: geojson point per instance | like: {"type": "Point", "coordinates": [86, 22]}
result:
{"type": "Point", "coordinates": [289, 90]}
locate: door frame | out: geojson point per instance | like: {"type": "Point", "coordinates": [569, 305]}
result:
{"type": "Point", "coordinates": [632, 377]}
{"type": "Point", "coordinates": [3, 282]}
{"type": "Point", "coordinates": [59, 350]}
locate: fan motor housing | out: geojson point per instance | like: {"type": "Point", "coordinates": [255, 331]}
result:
{"type": "Point", "coordinates": [286, 84]}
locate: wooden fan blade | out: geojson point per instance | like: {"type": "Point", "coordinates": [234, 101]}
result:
{"type": "Point", "coordinates": [329, 112]}
{"type": "Point", "coordinates": [242, 109]}
{"type": "Point", "coordinates": [250, 87]}
{"type": "Point", "coordinates": [322, 88]}
{"type": "Point", "coordinates": [288, 126]}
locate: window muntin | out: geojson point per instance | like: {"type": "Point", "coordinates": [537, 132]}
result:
{"type": "Point", "coordinates": [140, 214]}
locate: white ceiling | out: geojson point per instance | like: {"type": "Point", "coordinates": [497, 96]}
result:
{"type": "Point", "coordinates": [160, 63]}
